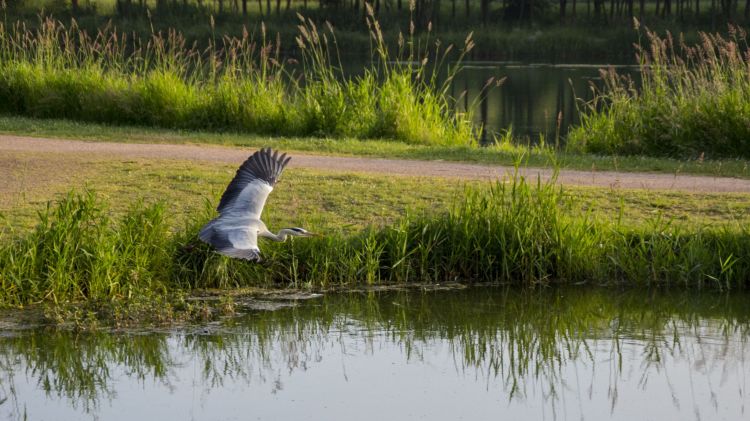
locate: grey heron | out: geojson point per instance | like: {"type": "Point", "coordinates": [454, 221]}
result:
{"type": "Point", "coordinates": [236, 230]}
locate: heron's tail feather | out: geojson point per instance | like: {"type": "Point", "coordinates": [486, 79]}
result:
{"type": "Point", "coordinates": [207, 232]}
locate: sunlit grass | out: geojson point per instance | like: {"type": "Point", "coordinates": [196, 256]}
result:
{"type": "Point", "coordinates": [518, 232]}
{"type": "Point", "coordinates": [693, 102]}
{"type": "Point", "coordinates": [239, 84]}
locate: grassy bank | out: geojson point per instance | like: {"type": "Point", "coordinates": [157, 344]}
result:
{"type": "Point", "coordinates": [694, 102]}
{"type": "Point", "coordinates": [329, 200]}
{"type": "Point", "coordinates": [516, 233]}
{"type": "Point", "coordinates": [239, 84]}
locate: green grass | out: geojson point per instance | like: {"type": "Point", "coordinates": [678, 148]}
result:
{"type": "Point", "coordinates": [693, 102]}
{"type": "Point", "coordinates": [520, 232]}
{"type": "Point", "coordinates": [504, 153]}
{"type": "Point", "coordinates": [238, 84]}
{"type": "Point", "coordinates": [331, 200]}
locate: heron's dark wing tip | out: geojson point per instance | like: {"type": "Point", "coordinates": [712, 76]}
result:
{"type": "Point", "coordinates": [265, 165]}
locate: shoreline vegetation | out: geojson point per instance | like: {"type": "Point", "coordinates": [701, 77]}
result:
{"type": "Point", "coordinates": [84, 263]}
{"type": "Point", "coordinates": [512, 233]}
{"type": "Point", "coordinates": [693, 101]}
{"type": "Point", "coordinates": [239, 84]}
{"type": "Point", "coordinates": [246, 86]}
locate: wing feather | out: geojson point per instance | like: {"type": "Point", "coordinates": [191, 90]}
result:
{"type": "Point", "coordinates": [230, 239]}
{"type": "Point", "coordinates": [254, 180]}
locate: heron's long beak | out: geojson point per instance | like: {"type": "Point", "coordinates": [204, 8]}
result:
{"type": "Point", "coordinates": [312, 234]}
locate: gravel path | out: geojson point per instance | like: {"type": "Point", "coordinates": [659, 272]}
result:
{"type": "Point", "coordinates": [223, 154]}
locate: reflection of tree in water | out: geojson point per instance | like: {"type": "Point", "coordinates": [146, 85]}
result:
{"type": "Point", "coordinates": [528, 339]}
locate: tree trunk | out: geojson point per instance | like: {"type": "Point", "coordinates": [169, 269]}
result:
{"type": "Point", "coordinates": [74, 5]}
{"type": "Point", "coordinates": [467, 9]}
{"type": "Point", "coordinates": [244, 7]}
{"type": "Point", "coordinates": [436, 13]}
{"type": "Point", "coordinates": [713, 14]}
{"type": "Point", "coordinates": [531, 10]}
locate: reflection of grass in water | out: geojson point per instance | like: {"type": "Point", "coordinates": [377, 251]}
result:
{"type": "Point", "coordinates": [79, 368]}
{"type": "Point", "coordinates": [523, 337]}
{"type": "Point", "coordinates": [513, 232]}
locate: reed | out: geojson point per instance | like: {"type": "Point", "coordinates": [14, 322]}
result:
{"type": "Point", "coordinates": [237, 84]}
{"type": "Point", "coordinates": [693, 102]}
{"type": "Point", "coordinates": [78, 251]}
{"type": "Point", "coordinates": [516, 232]}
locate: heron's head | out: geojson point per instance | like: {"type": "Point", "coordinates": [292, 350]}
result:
{"type": "Point", "coordinates": [301, 232]}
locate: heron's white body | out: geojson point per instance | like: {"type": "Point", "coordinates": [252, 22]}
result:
{"type": "Point", "coordinates": [236, 230]}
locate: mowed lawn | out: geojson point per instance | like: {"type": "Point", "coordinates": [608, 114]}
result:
{"type": "Point", "coordinates": [323, 200]}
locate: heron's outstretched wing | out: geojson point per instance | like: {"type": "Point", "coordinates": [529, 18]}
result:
{"type": "Point", "coordinates": [232, 241]}
{"type": "Point", "coordinates": [248, 191]}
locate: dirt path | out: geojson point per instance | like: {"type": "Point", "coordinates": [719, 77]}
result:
{"type": "Point", "coordinates": [378, 166]}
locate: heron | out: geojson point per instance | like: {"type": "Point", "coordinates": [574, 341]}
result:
{"type": "Point", "coordinates": [235, 231]}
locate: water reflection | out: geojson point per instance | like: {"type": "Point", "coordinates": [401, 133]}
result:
{"type": "Point", "coordinates": [479, 353]}
{"type": "Point", "coordinates": [534, 98]}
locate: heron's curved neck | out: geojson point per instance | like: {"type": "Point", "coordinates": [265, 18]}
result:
{"type": "Point", "coordinates": [280, 237]}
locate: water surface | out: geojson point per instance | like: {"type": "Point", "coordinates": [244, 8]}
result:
{"type": "Point", "coordinates": [477, 354]}
{"type": "Point", "coordinates": [534, 99]}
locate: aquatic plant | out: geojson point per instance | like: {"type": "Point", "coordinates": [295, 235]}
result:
{"type": "Point", "coordinates": [237, 84]}
{"type": "Point", "coordinates": [693, 102]}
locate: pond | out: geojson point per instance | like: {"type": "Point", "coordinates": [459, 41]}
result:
{"type": "Point", "coordinates": [478, 353]}
{"type": "Point", "coordinates": [533, 96]}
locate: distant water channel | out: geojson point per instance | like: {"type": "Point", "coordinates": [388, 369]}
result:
{"type": "Point", "coordinates": [532, 97]}
{"type": "Point", "coordinates": [476, 354]}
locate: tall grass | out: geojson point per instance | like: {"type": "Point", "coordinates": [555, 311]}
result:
{"type": "Point", "coordinates": [237, 84]}
{"type": "Point", "coordinates": [694, 102]}
{"type": "Point", "coordinates": [78, 251]}
{"type": "Point", "coordinates": [514, 232]}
